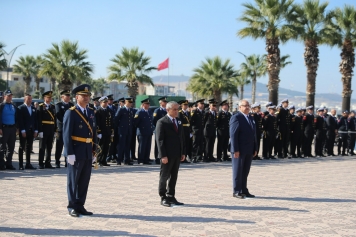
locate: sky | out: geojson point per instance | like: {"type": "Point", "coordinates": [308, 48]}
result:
{"type": "Point", "coordinates": [186, 31]}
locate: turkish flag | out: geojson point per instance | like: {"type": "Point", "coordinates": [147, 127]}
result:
{"type": "Point", "coordinates": [163, 65]}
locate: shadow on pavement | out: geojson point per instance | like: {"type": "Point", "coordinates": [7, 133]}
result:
{"type": "Point", "coordinates": [304, 199]}
{"type": "Point", "coordinates": [69, 232]}
{"type": "Point", "coordinates": [245, 208]}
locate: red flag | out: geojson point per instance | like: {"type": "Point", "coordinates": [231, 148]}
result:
{"type": "Point", "coordinates": [163, 65]}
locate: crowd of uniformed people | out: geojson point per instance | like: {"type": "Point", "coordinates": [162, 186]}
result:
{"type": "Point", "coordinates": [284, 131]}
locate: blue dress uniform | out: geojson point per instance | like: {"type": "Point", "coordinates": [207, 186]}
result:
{"type": "Point", "coordinates": [158, 114]}
{"type": "Point", "coordinates": [123, 122]}
{"type": "Point", "coordinates": [61, 108]}
{"type": "Point", "coordinates": [79, 136]}
{"type": "Point", "coordinates": [112, 150]}
{"type": "Point", "coordinates": [133, 138]}
{"type": "Point", "coordinates": [143, 123]}
{"type": "Point", "coordinates": [47, 124]}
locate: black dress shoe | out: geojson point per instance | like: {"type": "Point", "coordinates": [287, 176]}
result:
{"type": "Point", "coordinates": [32, 152]}
{"type": "Point", "coordinates": [29, 167]}
{"type": "Point", "coordinates": [74, 213]}
{"type": "Point", "coordinates": [147, 163]}
{"type": "Point", "coordinates": [157, 161]}
{"type": "Point", "coordinates": [128, 163]}
{"type": "Point", "coordinates": [249, 195]}
{"type": "Point", "coordinates": [49, 166]}
{"type": "Point", "coordinates": [104, 164]}
{"type": "Point", "coordinates": [165, 202]}
{"type": "Point", "coordinates": [219, 160]}
{"type": "Point", "coordinates": [118, 162]}
{"type": "Point", "coordinates": [10, 167]}
{"type": "Point", "coordinates": [239, 195]}
{"type": "Point", "coordinates": [41, 167]}
{"type": "Point", "coordinates": [2, 168]}
{"type": "Point", "coordinates": [84, 212]}
{"type": "Point", "coordinates": [21, 168]}
{"type": "Point", "coordinates": [58, 166]}
{"type": "Point", "coordinates": [173, 200]}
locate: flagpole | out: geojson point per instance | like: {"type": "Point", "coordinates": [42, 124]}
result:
{"type": "Point", "coordinates": [168, 76]}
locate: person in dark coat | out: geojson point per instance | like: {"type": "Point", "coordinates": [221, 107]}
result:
{"type": "Point", "coordinates": [210, 121]}
{"type": "Point", "coordinates": [331, 124]}
{"type": "Point", "coordinates": [27, 117]}
{"type": "Point", "coordinates": [61, 108]}
{"type": "Point", "coordinates": [112, 155]}
{"type": "Point", "coordinates": [296, 127]}
{"type": "Point", "coordinates": [352, 133]}
{"type": "Point", "coordinates": [223, 132]}
{"type": "Point", "coordinates": [158, 114]}
{"type": "Point", "coordinates": [258, 117]}
{"type": "Point", "coordinates": [343, 127]}
{"type": "Point", "coordinates": [243, 148]}
{"type": "Point", "coordinates": [309, 131]}
{"type": "Point", "coordinates": [270, 131]}
{"type": "Point", "coordinates": [320, 131]}
{"type": "Point", "coordinates": [171, 150]}
{"type": "Point", "coordinates": [283, 120]}
{"type": "Point", "coordinates": [184, 116]}
{"type": "Point", "coordinates": [133, 138]}
{"type": "Point", "coordinates": [197, 123]}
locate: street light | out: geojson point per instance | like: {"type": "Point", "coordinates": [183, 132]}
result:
{"type": "Point", "coordinates": [8, 57]}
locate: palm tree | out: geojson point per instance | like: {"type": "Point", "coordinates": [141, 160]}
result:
{"type": "Point", "coordinates": [131, 66]}
{"type": "Point", "coordinates": [99, 85]}
{"type": "Point", "coordinates": [214, 77]}
{"type": "Point", "coordinates": [67, 63]}
{"type": "Point", "coordinates": [267, 19]}
{"type": "Point", "coordinates": [255, 67]}
{"type": "Point", "coordinates": [241, 81]}
{"type": "Point", "coordinates": [345, 38]}
{"type": "Point", "coordinates": [26, 67]}
{"type": "Point", "coordinates": [37, 68]}
{"type": "Point", "coordinates": [3, 62]}
{"type": "Point", "coordinates": [311, 26]}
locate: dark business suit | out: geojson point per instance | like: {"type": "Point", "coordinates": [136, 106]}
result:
{"type": "Point", "coordinates": [243, 140]}
{"type": "Point", "coordinates": [157, 115]}
{"type": "Point", "coordinates": [123, 122]}
{"type": "Point", "coordinates": [27, 123]}
{"type": "Point", "coordinates": [170, 144]}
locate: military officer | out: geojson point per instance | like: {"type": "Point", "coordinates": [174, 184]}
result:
{"type": "Point", "coordinates": [158, 114]}
{"type": "Point", "coordinates": [331, 122]}
{"type": "Point", "coordinates": [267, 105]}
{"type": "Point", "coordinates": [343, 127]}
{"type": "Point", "coordinates": [223, 129]}
{"type": "Point", "coordinates": [112, 150]}
{"type": "Point", "coordinates": [123, 121]}
{"type": "Point", "coordinates": [309, 130]}
{"type": "Point", "coordinates": [269, 125]}
{"type": "Point", "coordinates": [210, 121]}
{"type": "Point", "coordinates": [105, 129]}
{"type": "Point", "coordinates": [283, 119]}
{"type": "Point", "coordinates": [197, 123]}
{"type": "Point", "coordinates": [184, 117]}
{"type": "Point", "coordinates": [121, 102]}
{"type": "Point", "coordinates": [352, 133]}
{"type": "Point", "coordinates": [79, 145]}
{"type": "Point", "coordinates": [320, 130]}
{"type": "Point", "coordinates": [96, 103]}
{"type": "Point", "coordinates": [296, 128]}
{"type": "Point", "coordinates": [258, 117]}
{"type": "Point", "coordinates": [47, 124]}
{"type": "Point", "coordinates": [61, 108]}
{"type": "Point", "coordinates": [133, 137]}
{"type": "Point", "coordinates": [144, 125]}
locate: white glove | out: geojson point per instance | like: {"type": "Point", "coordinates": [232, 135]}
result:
{"type": "Point", "coordinates": [55, 135]}
{"type": "Point", "coordinates": [40, 135]}
{"type": "Point", "coordinates": [94, 158]}
{"type": "Point", "coordinates": [99, 136]}
{"type": "Point", "coordinates": [112, 135]}
{"type": "Point", "coordinates": [71, 159]}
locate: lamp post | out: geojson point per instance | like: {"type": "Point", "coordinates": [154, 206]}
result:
{"type": "Point", "coordinates": [8, 57]}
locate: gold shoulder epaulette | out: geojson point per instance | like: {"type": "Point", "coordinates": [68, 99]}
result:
{"type": "Point", "coordinates": [180, 111]}
{"type": "Point", "coordinates": [90, 108]}
{"type": "Point", "coordinates": [41, 104]}
{"type": "Point", "coordinates": [72, 108]}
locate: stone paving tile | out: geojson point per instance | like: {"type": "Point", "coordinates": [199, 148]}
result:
{"type": "Point", "coordinates": [296, 197]}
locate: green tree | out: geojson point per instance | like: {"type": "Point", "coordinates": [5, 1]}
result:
{"type": "Point", "coordinates": [267, 19]}
{"type": "Point", "coordinates": [311, 26]}
{"type": "Point", "coordinates": [214, 77]}
{"type": "Point", "coordinates": [18, 89]}
{"type": "Point", "coordinates": [254, 67]}
{"type": "Point", "coordinates": [242, 81]}
{"type": "Point", "coordinates": [99, 85]}
{"type": "Point", "coordinates": [67, 63]}
{"type": "Point", "coordinates": [26, 67]}
{"type": "Point", "coordinates": [37, 69]}
{"type": "Point", "coordinates": [3, 61]}
{"type": "Point", "coordinates": [131, 66]}
{"type": "Point", "coordinates": [344, 28]}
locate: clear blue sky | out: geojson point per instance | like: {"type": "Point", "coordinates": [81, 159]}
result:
{"type": "Point", "coordinates": [187, 31]}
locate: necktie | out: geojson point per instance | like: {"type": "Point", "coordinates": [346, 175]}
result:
{"type": "Point", "coordinates": [249, 121]}
{"type": "Point", "coordinates": [85, 114]}
{"type": "Point", "coordinates": [175, 125]}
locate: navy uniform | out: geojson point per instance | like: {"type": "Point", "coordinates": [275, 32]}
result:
{"type": "Point", "coordinates": [79, 136]}
{"type": "Point", "coordinates": [184, 117]}
{"type": "Point", "coordinates": [197, 123]}
{"type": "Point", "coordinates": [309, 131]}
{"type": "Point", "coordinates": [112, 150]}
{"type": "Point", "coordinates": [257, 117]}
{"type": "Point", "coordinates": [123, 122]}
{"type": "Point", "coordinates": [270, 131]}
{"type": "Point", "coordinates": [267, 105]}
{"type": "Point", "coordinates": [61, 108]}
{"type": "Point", "coordinates": [352, 133]}
{"type": "Point", "coordinates": [158, 114]}
{"type": "Point", "coordinates": [133, 138]}
{"type": "Point", "coordinates": [121, 102]}
{"type": "Point", "coordinates": [96, 103]}
{"type": "Point", "coordinates": [320, 131]}
{"type": "Point", "coordinates": [342, 126]}
{"type": "Point", "coordinates": [223, 128]}
{"type": "Point", "coordinates": [331, 123]}
{"type": "Point", "coordinates": [296, 127]}
{"type": "Point", "coordinates": [47, 124]}
{"type": "Point", "coordinates": [144, 125]}
{"type": "Point", "coordinates": [283, 119]}
{"type": "Point", "coordinates": [105, 129]}
{"type": "Point", "coordinates": [210, 121]}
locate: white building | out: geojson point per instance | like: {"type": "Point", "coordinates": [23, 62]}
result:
{"type": "Point", "coordinates": [160, 89]}
{"type": "Point", "coordinates": [118, 89]}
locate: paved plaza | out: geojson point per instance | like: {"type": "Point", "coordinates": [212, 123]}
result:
{"type": "Point", "coordinates": [295, 197]}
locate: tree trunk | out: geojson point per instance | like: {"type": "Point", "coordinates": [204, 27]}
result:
{"type": "Point", "coordinates": [132, 89]}
{"type": "Point", "coordinates": [254, 80]}
{"type": "Point", "coordinates": [27, 84]}
{"type": "Point", "coordinates": [241, 92]}
{"type": "Point", "coordinates": [230, 103]}
{"type": "Point", "coordinates": [273, 67]}
{"type": "Point", "coordinates": [217, 95]}
{"type": "Point", "coordinates": [311, 60]}
{"type": "Point", "coordinates": [346, 68]}
{"type": "Point", "coordinates": [53, 83]}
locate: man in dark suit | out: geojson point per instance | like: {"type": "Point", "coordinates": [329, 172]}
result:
{"type": "Point", "coordinates": [29, 129]}
{"type": "Point", "coordinates": [123, 122]}
{"type": "Point", "coordinates": [243, 147]}
{"type": "Point", "coordinates": [61, 108]}
{"type": "Point", "coordinates": [171, 150]}
{"type": "Point", "coordinates": [158, 114]}
{"type": "Point", "coordinates": [79, 136]}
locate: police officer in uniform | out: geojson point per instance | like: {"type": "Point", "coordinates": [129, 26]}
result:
{"type": "Point", "coordinates": [320, 130]}
{"type": "Point", "coordinates": [61, 108]}
{"type": "Point", "coordinates": [197, 123]}
{"type": "Point", "coordinates": [352, 133]}
{"type": "Point", "coordinates": [210, 121]}
{"type": "Point", "coordinates": [269, 125]}
{"type": "Point", "coordinates": [47, 124]}
{"type": "Point", "coordinates": [223, 122]}
{"type": "Point", "coordinates": [309, 131]}
{"type": "Point", "coordinates": [184, 117]}
{"type": "Point", "coordinates": [257, 117]}
{"type": "Point", "coordinates": [296, 128]}
{"type": "Point", "coordinates": [79, 145]}
{"type": "Point", "coordinates": [343, 126]}
{"type": "Point", "coordinates": [123, 122]}
{"type": "Point", "coordinates": [112, 150]}
{"type": "Point", "coordinates": [144, 125]}
{"type": "Point", "coordinates": [158, 114]}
